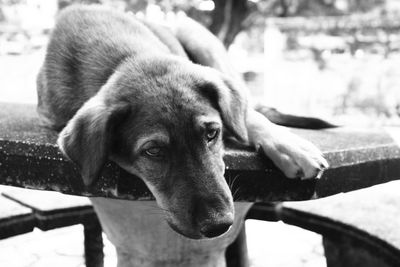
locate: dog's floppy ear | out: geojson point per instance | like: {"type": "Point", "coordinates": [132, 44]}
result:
{"type": "Point", "coordinates": [232, 105]}
{"type": "Point", "coordinates": [87, 137]}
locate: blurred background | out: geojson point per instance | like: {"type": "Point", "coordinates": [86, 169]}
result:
{"type": "Point", "coordinates": [334, 59]}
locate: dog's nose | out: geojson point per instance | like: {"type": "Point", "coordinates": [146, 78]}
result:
{"type": "Point", "coordinates": [214, 230]}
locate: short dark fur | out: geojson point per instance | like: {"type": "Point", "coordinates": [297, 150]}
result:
{"type": "Point", "coordinates": [86, 47]}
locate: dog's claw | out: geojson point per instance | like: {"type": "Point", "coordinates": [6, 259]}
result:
{"type": "Point", "coordinates": [324, 164]}
{"type": "Point", "coordinates": [319, 174]}
{"type": "Point", "coordinates": [300, 174]}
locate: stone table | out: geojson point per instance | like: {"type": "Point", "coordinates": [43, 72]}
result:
{"type": "Point", "coordinates": [30, 158]}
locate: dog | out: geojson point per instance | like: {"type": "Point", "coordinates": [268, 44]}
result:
{"type": "Point", "coordinates": [159, 102]}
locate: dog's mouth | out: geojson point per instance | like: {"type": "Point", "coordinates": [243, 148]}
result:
{"type": "Point", "coordinates": [216, 230]}
{"type": "Point", "coordinates": [202, 233]}
{"type": "Point", "coordinates": [188, 234]}
{"type": "Point", "coordinates": [208, 227]}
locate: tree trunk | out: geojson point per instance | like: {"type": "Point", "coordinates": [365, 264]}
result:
{"type": "Point", "coordinates": [227, 19]}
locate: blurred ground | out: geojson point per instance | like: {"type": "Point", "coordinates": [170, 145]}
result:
{"type": "Point", "coordinates": [62, 247]}
{"type": "Point", "coordinates": [269, 244]}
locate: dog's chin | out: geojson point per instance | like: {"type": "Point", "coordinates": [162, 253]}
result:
{"type": "Point", "coordinates": [188, 234]}
{"type": "Point", "coordinates": [191, 234]}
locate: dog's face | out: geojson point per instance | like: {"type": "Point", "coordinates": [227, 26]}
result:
{"type": "Point", "coordinates": [164, 126]}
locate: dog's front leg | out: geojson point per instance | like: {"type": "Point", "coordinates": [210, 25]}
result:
{"type": "Point", "coordinates": [295, 156]}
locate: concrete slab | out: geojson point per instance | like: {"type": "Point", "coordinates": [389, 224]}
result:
{"type": "Point", "coordinates": [359, 158]}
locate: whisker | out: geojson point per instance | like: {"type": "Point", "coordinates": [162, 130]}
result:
{"type": "Point", "coordinates": [236, 194]}
{"type": "Point", "coordinates": [232, 184]}
{"type": "Point", "coordinates": [157, 214]}
{"type": "Point", "coordinates": [156, 210]}
{"type": "Point", "coordinates": [229, 182]}
{"type": "Point", "coordinates": [234, 180]}
{"type": "Point", "coordinates": [165, 210]}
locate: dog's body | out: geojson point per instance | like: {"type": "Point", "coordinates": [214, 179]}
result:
{"type": "Point", "coordinates": [126, 90]}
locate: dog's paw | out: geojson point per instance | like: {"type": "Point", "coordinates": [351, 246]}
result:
{"type": "Point", "coordinates": [293, 155]}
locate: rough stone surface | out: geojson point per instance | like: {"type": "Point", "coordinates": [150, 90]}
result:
{"type": "Point", "coordinates": [359, 158]}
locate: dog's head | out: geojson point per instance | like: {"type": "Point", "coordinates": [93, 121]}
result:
{"type": "Point", "coordinates": [164, 123]}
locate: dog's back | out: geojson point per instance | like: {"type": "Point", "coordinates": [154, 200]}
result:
{"type": "Point", "coordinates": [87, 45]}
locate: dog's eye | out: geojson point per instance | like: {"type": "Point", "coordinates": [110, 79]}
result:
{"type": "Point", "coordinates": [212, 134]}
{"type": "Point", "coordinates": [155, 151]}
